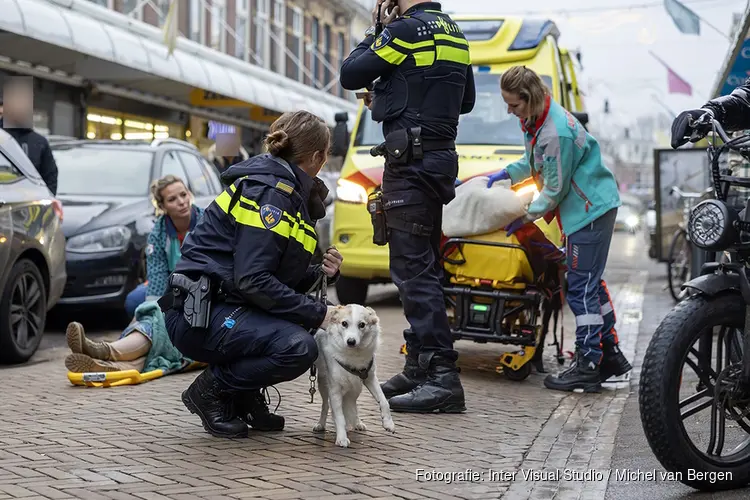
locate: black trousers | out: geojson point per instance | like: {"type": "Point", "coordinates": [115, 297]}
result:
{"type": "Point", "coordinates": [255, 352]}
{"type": "Point", "coordinates": [414, 196]}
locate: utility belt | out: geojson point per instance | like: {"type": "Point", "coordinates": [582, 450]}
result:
{"type": "Point", "coordinates": [192, 297]}
{"type": "Point", "coordinates": [402, 147]}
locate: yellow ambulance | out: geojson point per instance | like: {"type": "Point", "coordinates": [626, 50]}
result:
{"type": "Point", "coordinates": [488, 138]}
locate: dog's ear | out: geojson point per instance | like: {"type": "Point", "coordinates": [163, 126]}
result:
{"type": "Point", "coordinates": [337, 314]}
{"type": "Point", "coordinates": [372, 317]}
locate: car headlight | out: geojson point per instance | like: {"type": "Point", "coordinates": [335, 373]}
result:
{"type": "Point", "coordinates": [632, 220]}
{"type": "Point", "coordinates": [711, 225]}
{"type": "Point", "coordinates": [350, 192]}
{"type": "Point", "coordinates": [109, 239]}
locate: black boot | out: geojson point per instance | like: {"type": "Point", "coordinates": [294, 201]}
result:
{"type": "Point", "coordinates": [440, 393]}
{"type": "Point", "coordinates": [582, 374]}
{"type": "Point", "coordinates": [207, 398]}
{"type": "Point", "coordinates": [407, 380]}
{"type": "Point", "coordinates": [614, 363]}
{"type": "Point", "coordinates": [252, 408]}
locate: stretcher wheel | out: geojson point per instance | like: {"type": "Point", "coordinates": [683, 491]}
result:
{"type": "Point", "coordinates": [517, 375]}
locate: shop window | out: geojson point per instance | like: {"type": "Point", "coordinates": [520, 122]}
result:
{"type": "Point", "coordinates": [8, 172]}
{"type": "Point", "coordinates": [198, 183]}
{"type": "Point", "coordinates": [170, 165]}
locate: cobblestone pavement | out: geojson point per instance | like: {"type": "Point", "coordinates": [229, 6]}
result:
{"type": "Point", "coordinates": [60, 441]}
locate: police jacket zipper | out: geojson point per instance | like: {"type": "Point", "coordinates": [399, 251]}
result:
{"type": "Point", "coordinates": [581, 194]}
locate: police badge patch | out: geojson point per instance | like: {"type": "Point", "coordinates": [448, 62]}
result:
{"type": "Point", "coordinates": [382, 40]}
{"type": "Point", "coordinates": [270, 215]}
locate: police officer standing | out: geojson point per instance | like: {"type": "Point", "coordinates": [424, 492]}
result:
{"type": "Point", "coordinates": [425, 81]}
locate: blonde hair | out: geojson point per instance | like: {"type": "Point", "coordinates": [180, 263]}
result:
{"type": "Point", "coordinates": [158, 185]}
{"type": "Point", "coordinates": [295, 137]}
{"type": "Point", "coordinates": [528, 85]}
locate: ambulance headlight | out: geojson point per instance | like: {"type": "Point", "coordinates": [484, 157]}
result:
{"type": "Point", "coordinates": [350, 192]}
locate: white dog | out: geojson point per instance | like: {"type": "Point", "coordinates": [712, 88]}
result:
{"type": "Point", "coordinates": [346, 362]}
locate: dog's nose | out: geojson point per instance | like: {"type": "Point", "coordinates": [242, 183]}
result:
{"type": "Point", "coordinates": [351, 342]}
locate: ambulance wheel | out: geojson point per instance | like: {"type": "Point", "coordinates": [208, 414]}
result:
{"type": "Point", "coordinates": [517, 375]}
{"type": "Point", "coordinates": [351, 290]}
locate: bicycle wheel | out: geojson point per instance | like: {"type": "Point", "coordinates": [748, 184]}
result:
{"type": "Point", "coordinates": [678, 264]}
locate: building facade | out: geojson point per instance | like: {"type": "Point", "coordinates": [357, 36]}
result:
{"type": "Point", "coordinates": [102, 71]}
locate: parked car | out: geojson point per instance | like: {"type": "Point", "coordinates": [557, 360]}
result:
{"type": "Point", "coordinates": [104, 189]}
{"type": "Point", "coordinates": [32, 253]}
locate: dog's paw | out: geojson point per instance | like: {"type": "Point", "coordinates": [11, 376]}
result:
{"type": "Point", "coordinates": [389, 425]}
{"type": "Point", "coordinates": [319, 428]}
{"type": "Point", "coordinates": [360, 426]}
{"type": "Point", "coordinates": [342, 441]}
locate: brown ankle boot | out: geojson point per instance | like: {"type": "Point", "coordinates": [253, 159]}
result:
{"type": "Point", "coordinates": [81, 363]}
{"type": "Point", "coordinates": [79, 344]}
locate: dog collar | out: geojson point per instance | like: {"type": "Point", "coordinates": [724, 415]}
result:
{"type": "Point", "coordinates": [362, 373]}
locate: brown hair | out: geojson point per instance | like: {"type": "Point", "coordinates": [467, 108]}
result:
{"type": "Point", "coordinates": [296, 136]}
{"type": "Point", "coordinates": [528, 85]}
{"type": "Point", "coordinates": [158, 185]}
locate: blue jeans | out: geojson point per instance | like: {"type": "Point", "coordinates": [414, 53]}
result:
{"type": "Point", "coordinates": [136, 297]}
{"type": "Point", "coordinates": [588, 297]}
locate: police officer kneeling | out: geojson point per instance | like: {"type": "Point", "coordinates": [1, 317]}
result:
{"type": "Point", "coordinates": [425, 82]}
{"type": "Point", "coordinates": [239, 298]}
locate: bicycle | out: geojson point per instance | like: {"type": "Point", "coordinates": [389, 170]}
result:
{"type": "Point", "coordinates": [681, 252]}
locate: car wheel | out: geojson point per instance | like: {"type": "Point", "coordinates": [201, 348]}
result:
{"type": "Point", "coordinates": [23, 313]}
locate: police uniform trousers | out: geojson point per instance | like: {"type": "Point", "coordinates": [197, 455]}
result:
{"type": "Point", "coordinates": [415, 195]}
{"type": "Point", "coordinates": [254, 351]}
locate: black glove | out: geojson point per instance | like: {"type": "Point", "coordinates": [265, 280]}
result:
{"type": "Point", "coordinates": [681, 128]}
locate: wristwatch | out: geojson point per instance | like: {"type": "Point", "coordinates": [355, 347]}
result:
{"type": "Point", "coordinates": [370, 31]}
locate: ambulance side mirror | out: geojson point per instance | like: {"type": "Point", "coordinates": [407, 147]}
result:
{"type": "Point", "coordinates": [341, 135]}
{"type": "Point", "coordinates": [583, 118]}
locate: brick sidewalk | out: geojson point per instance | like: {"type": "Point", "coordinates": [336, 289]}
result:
{"type": "Point", "coordinates": [60, 441]}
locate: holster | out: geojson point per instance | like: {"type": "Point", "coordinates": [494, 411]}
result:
{"type": "Point", "coordinates": [194, 297]}
{"type": "Point", "coordinates": [377, 216]}
{"type": "Point", "coordinates": [401, 147]}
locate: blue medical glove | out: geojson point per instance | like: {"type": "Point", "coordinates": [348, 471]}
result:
{"type": "Point", "coordinates": [498, 176]}
{"type": "Point", "coordinates": [514, 226]}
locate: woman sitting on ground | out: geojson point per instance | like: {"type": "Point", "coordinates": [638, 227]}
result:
{"type": "Point", "coordinates": [178, 217]}
{"type": "Point", "coordinates": [144, 345]}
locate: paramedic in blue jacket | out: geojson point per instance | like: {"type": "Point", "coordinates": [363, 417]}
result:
{"type": "Point", "coordinates": [581, 191]}
{"type": "Point", "coordinates": [257, 255]}
{"type": "Point", "coordinates": [425, 81]}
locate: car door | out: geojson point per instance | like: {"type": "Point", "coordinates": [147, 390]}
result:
{"type": "Point", "coordinates": [10, 177]}
{"type": "Point", "coordinates": [200, 182]}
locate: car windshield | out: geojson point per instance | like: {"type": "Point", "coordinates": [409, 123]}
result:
{"type": "Point", "coordinates": [103, 171]}
{"type": "Point", "coordinates": [488, 123]}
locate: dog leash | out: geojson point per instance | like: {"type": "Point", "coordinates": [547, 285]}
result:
{"type": "Point", "coordinates": [321, 294]}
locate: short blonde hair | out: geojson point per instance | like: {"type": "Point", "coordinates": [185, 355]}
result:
{"type": "Point", "coordinates": [158, 185]}
{"type": "Point", "coordinates": [528, 85]}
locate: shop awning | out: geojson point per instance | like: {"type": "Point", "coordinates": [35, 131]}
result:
{"type": "Point", "coordinates": [82, 39]}
{"type": "Point", "coordinates": [736, 67]}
